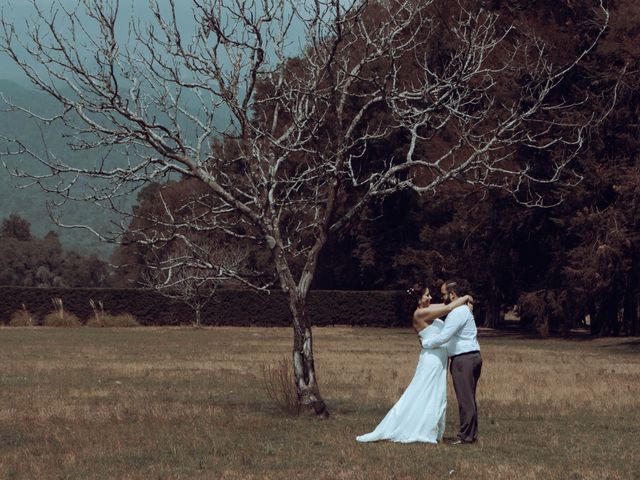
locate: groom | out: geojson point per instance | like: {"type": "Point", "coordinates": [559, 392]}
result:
{"type": "Point", "coordinates": [465, 360]}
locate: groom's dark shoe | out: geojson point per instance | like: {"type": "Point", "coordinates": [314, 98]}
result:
{"type": "Point", "coordinates": [459, 441]}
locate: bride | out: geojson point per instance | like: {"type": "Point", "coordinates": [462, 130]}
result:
{"type": "Point", "coordinates": [419, 414]}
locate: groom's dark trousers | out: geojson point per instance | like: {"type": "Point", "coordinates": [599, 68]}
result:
{"type": "Point", "coordinates": [465, 373]}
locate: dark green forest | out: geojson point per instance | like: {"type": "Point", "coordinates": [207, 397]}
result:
{"type": "Point", "coordinates": [29, 261]}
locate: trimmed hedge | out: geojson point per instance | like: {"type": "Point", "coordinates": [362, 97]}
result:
{"type": "Point", "coordinates": [229, 307]}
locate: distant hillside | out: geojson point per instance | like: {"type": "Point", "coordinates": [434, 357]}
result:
{"type": "Point", "coordinates": [30, 203]}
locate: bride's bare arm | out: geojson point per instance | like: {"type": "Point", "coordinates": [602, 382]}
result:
{"type": "Point", "coordinates": [422, 317]}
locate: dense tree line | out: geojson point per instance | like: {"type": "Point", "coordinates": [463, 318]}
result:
{"type": "Point", "coordinates": [572, 262]}
{"type": "Point", "coordinates": [42, 262]}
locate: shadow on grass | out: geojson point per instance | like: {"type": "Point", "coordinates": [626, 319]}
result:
{"type": "Point", "coordinates": [518, 333]}
{"type": "Point", "coordinates": [628, 346]}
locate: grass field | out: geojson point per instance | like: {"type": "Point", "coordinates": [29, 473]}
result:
{"type": "Point", "coordinates": [182, 403]}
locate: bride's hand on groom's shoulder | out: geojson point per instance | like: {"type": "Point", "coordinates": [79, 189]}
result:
{"type": "Point", "coordinates": [469, 302]}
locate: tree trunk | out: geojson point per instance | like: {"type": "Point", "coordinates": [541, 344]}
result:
{"type": "Point", "coordinates": [304, 370]}
{"type": "Point", "coordinates": [568, 321]}
{"type": "Point", "coordinates": [634, 328]}
{"type": "Point", "coordinates": [494, 312]}
{"type": "Point", "coordinates": [606, 318]}
{"type": "Point", "coordinates": [631, 319]}
{"type": "Point", "coordinates": [630, 305]}
{"type": "Point", "coordinates": [543, 325]}
{"type": "Point", "coordinates": [198, 315]}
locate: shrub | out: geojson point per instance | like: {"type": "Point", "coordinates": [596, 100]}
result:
{"type": "Point", "coordinates": [278, 382]}
{"type": "Point", "coordinates": [22, 318]}
{"type": "Point", "coordinates": [540, 310]}
{"type": "Point", "coordinates": [67, 319]}
{"type": "Point", "coordinates": [60, 317]}
{"type": "Point", "coordinates": [98, 314]}
{"type": "Point", "coordinates": [93, 322]}
{"type": "Point", "coordinates": [108, 320]}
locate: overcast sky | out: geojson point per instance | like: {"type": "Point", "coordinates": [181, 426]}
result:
{"type": "Point", "coordinates": [21, 12]}
{"type": "Point", "coordinates": [18, 12]}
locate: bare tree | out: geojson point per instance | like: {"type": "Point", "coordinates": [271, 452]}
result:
{"type": "Point", "coordinates": [192, 270]}
{"type": "Point", "coordinates": [295, 161]}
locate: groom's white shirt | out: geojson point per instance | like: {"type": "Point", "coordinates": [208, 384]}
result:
{"type": "Point", "coordinates": [459, 331]}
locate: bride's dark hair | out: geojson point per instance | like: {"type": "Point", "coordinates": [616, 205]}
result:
{"type": "Point", "coordinates": [414, 293]}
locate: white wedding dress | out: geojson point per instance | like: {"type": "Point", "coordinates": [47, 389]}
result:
{"type": "Point", "coordinates": [419, 414]}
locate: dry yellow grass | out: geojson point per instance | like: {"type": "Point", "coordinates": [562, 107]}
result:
{"type": "Point", "coordinates": [182, 403]}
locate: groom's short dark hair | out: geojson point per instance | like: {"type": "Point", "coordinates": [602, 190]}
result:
{"type": "Point", "coordinates": [459, 287]}
{"type": "Point", "coordinates": [451, 287]}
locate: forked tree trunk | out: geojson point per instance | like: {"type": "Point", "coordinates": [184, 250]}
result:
{"type": "Point", "coordinates": [304, 369]}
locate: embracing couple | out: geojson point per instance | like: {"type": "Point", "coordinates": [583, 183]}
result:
{"type": "Point", "coordinates": [419, 414]}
